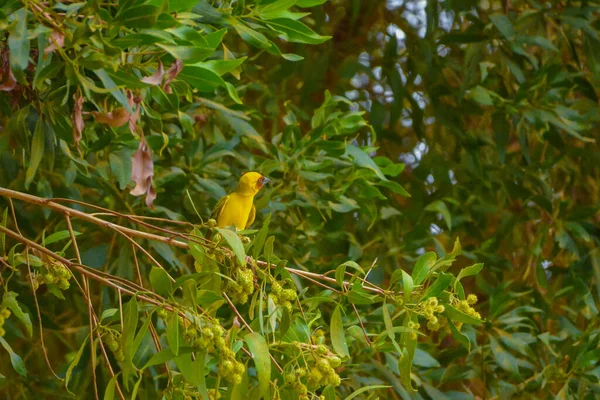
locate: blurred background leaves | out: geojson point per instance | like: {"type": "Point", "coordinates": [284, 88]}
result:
{"type": "Point", "coordinates": [486, 112]}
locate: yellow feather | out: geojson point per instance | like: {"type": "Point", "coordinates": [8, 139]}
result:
{"type": "Point", "coordinates": [237, 208]}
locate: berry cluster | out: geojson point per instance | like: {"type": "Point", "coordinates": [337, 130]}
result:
{"type": "Point", "coordinates": [324, 374]}
{"type": "Point", "coordinates": [210, 337]}
{"type": "Point", "coordinates": [321, 374]}
{"type": "Point", "coordinates": [465, 307]}
{"type": "Point", "coordinates": [430, 308]}
{"type": "Point", "coordinates": [54, 272]}
{"type": "Point", "coordinates": [4, 314]}
{"type": "Point", "coordinates": [230, 368]}
{"type": "Point", "coordinates": [242, 287]}
{"type": "Point", "coordinates": [114, 345]}
{"type": "Point", "coordinates": [415, 326]}
{"type": "Point", "coordinates": [283, 297]}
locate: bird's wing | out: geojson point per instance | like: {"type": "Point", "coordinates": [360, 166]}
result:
{"type": "Point", "coordinates": [251, 216]}
{"type": "Point", "coordinates": [219, 208]}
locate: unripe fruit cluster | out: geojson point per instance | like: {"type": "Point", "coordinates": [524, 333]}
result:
{"type": "Point", "coordinates": [54, 273]}
{"type": "Point", "coordinates": [430, 308]}
{"type": "Point", "coordinates": [213, 394]}
{"type": "Point", "coordinates": [322, 374]}
{"type": "Point", "coordinates": [207, 337]}
{"type": "Point", "coordinates": [465, 306]}
{"type": "Point", "coordinates": [230, 368]}
{"type": "Point", "coordinates": [242, 287]}
{"type": "Point", "coordinates": [4, 315]}
{"type": "Point", "coordinates": [211, 337]}
{"type": "Point", "coordinates": [114, 345]}
{"type": "Point", "coordinates": [283, 297]}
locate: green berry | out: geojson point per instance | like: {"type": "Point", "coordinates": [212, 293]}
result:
{"type": "Point", "coordinates": [239, 368]}
{"type": "Point", "coordinates": [63, 284]}
{"type": "Point", "coordinates": [334, 361]}
{"type": "Point", "coordinates": [276, 288]}
{"type": "Point", "coordinates": [289, 378]}
{"type": "Point", "coordinates": [289, 294]}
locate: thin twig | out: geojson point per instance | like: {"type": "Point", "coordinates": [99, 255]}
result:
{"type": "Point", "coordinates": [86, 285]}
{"type": "Point", "coordinates": [39, 314]}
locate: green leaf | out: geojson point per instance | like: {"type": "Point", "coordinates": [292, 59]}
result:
{"type": "Point", "coordinates": [37, 152]}
{"type": "Point", "coordinates": [251, 36]}
{"type": "Point", "coordinates": [309, 3]}
{"type": "Point", "coordinates": [459, 336]}
{"type": "Point", "coordinates": [296, 31]}
{"type": "Point", "coordinates": [141, 16]}
{"type": "Point", "coordinates": [188, 54]}
{"type": "Point", "coordinates": [221, 67]}
{"type": "Point", "coordinates": [357, 296]}
{"type": "Point", "coordinates": [440, 207]}
{"type": "Point", "coordinates": [233, 93]}
{"type": "Point", "coordinates": [235, 243]}
{"type": "Point", "coordinates": [422, 267]}
{"type": "Point", "coordinates": [110, 85]}
{"type": "Point", "coordinates": [363, 160]}
{"type": "Point", "coordinates": [504, 25]}
{"type": "Point", "coordinates": [160, 358]}
{"type": "Point", "coordinates": [201, 78]}
{"type": "Point", "coordinates": [503, 358]}
{"type": "Point", "coordinates": [406, 357]}
{"type": "Point", "coordinates": [275, 9]}
{"type": "Point", "coordinates": [161, 282]}
{"type": "Point", "coordinates": [10, 300]}
{"type": "Point", "coordinates": [338, 338]}
{"type": "Point", "coordinates": [366, 389]}
{"type": "Point", "coordinates": [407, 284]}
{"type": "Point", "coordinates": [130, 320]}
{"type": "Point", "coordinates": [3, 235]}
{"type": "Point", "coordinates": [423, 359]}
{"type": "Point", "coordinates": [167, 253]}
{"type": "Point", "coordinates": [269, 248]}
{"type": "Point", "coordinates": [292, 57]}
{"type": "Point", "coordinates": [469, 271]}
{"type": "Point", "coordinates": [58, 236]}
{"type": "Point", "coordinates": [181, 5]}
{"type": "Point", "coordinates": [259, 350]}
{"type": "Point", "coordinates": [261, 236]}
{"type": "Point", "coordinates": [19, 45]}
{"type": "Point", "coordinates": [74, 363]}
{"type": "Point", "coordinates": [109, 393]}
{"type": "Point", "coordinates": [340, 271]}
{"type": "Point", "coordinates": [440, 284]}
{"type": "Point", "coordinates": [481, 95]}
{"type": "Point", "coordinates": [15, 360]}
{"type": "Point", "coordinates": [200, 371]}
{"type": "Point", "coordinates": [120, 166]}
{"type": "Point", "coordinates": [173, 333]}
{"type": "Point", "coordinates": [458, 316]}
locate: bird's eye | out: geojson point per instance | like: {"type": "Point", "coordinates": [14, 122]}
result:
{"type": "Point", "coordinates": [261, 179]}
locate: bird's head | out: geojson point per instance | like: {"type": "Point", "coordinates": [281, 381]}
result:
{"type": "Point", "coordinates": [252, 182]}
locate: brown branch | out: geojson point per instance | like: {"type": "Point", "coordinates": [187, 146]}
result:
{"type": "Point", "coordinates": [39, 314]}
{"type": "Point", "coordinates": [86, 285]}
{"type": "Point", "coordinates": [86, 217]}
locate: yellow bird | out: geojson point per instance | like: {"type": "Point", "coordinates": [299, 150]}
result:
{"type": "Point", "coordinates": [237, 208]}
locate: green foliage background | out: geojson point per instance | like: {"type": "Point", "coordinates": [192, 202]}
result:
{"type": "Point", "coordinates": [486, 113]}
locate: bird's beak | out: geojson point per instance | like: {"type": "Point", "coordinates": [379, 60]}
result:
{"type": "Point", "coordinates": [266, 180]}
